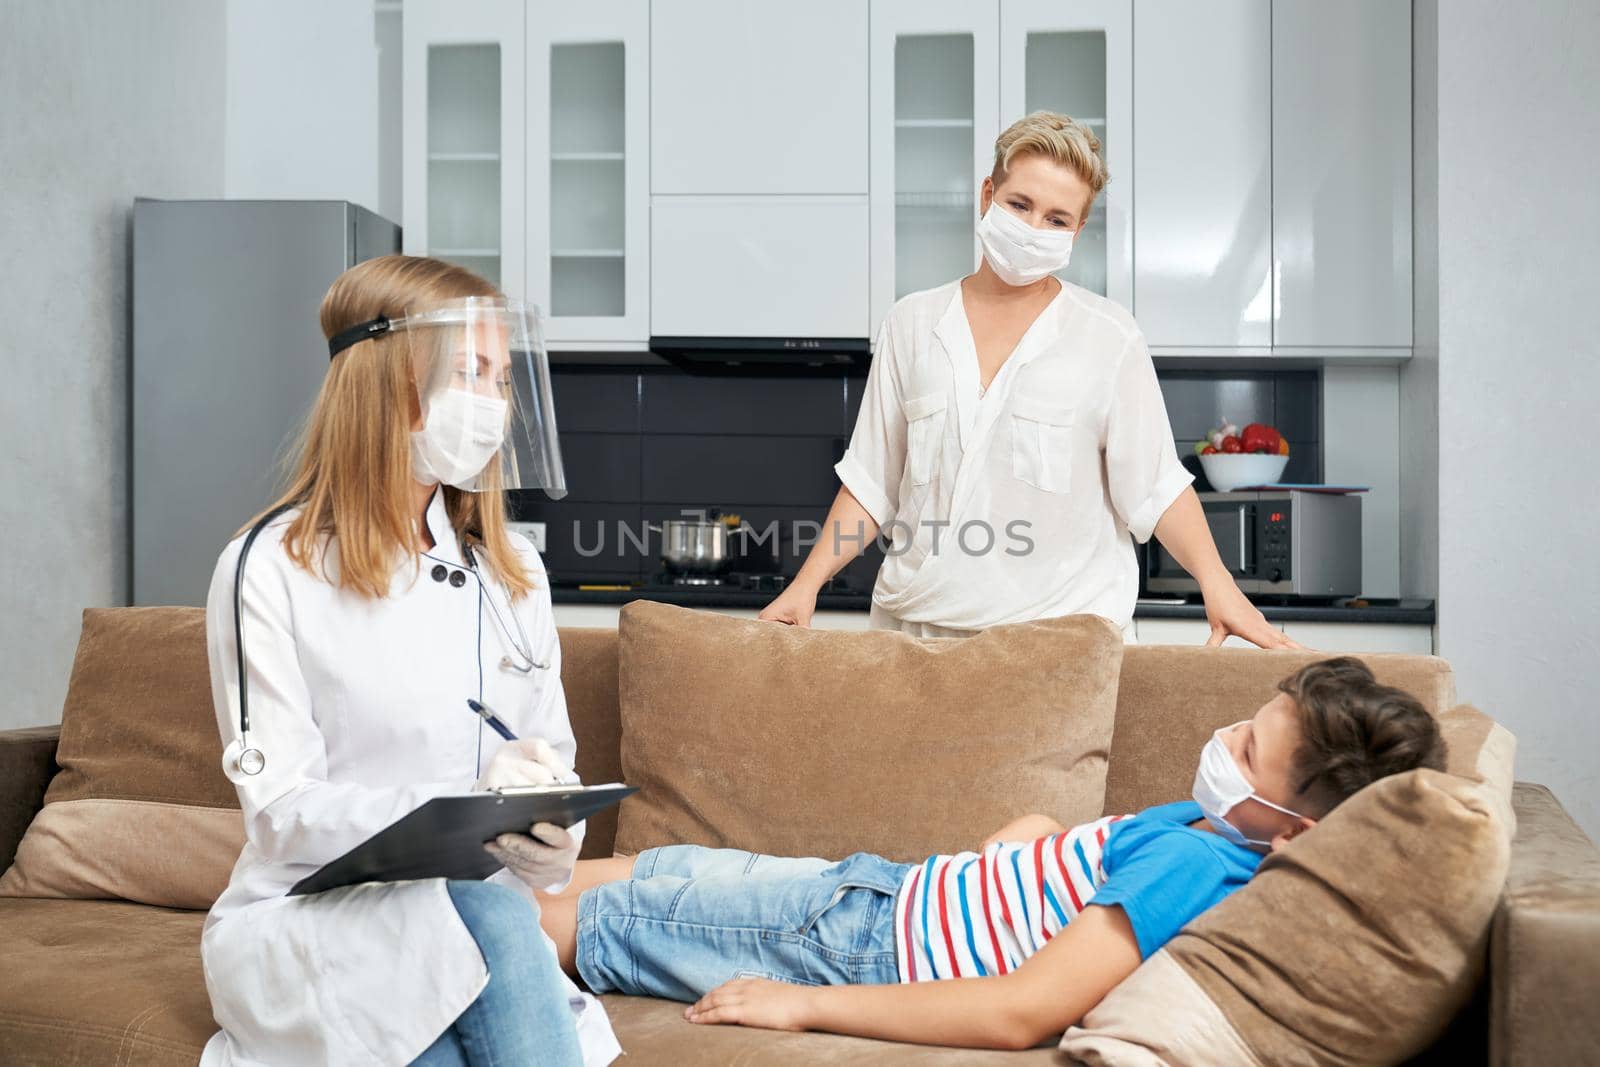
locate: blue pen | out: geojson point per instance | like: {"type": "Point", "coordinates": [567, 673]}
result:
{"type": "Point", "coordinates": [483, 712]}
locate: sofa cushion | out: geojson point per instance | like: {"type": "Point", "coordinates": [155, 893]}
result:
{"type": "Point", "coordinates": [140, 809]}
{"type": "Point", "coordinates": [802, 742]}
{"type": "Point", "coordinates": [111, 982]}
{"type": "Point", "coordinates": [1357, 943]}
{"type": "Point", "coordinates": [1171, 698]}
{"type": "Point", "coordinates": [101, 982]}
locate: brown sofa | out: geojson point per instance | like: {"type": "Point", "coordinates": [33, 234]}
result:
{"type": "Point", "coordinates": [114, 982]}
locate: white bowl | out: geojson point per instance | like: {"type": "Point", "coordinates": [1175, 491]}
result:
{"type": "Point", "coordinates": [1227, 471]}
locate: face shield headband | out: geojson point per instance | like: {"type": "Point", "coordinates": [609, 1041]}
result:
{"type": "Point", "coordinates": [483, 385]}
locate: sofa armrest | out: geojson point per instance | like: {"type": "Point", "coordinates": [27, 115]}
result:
{"type": "Point", "coordinates": [1544, 946]}
{"type": "Point", "coordinates": [27, 763]}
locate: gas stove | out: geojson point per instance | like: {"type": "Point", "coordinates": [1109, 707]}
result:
{"type": "Point", "coordinates": [741, 581]}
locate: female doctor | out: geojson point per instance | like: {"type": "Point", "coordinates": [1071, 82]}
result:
{"type": "Point", "coordinates": [1012, 434]}
{"type": "Point", "coordinates": [365, 614]}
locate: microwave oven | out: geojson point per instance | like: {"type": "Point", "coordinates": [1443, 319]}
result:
{"type": "Point", "coordinates": [1275, 542]}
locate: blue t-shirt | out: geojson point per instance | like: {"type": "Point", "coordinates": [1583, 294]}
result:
{"type": "Point", "coordinates": [1163, 872]}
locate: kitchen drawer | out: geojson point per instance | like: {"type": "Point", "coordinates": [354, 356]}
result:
{"type": "Point", "coordinates": [1340, 637]}
{"type": "Point", "coordinates": [759, 266]}
{"type": "Point", "coordinates": [1180, 632]}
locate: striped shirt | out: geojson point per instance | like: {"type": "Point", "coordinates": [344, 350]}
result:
{"type": "Point", "coordinates": [974, 915]}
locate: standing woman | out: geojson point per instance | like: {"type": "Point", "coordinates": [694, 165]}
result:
{"type": "Point", "coordinates": [382, 593]}
{"type": "Point", "coordinates": [1012, 435]}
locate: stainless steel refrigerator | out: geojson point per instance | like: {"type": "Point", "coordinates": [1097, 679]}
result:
{"type": "Point", "coordinates": [227, 358]}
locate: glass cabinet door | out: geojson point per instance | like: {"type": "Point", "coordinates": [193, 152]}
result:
{"type": "Point", "coordinates": [465, 137]}
{"type": "Point", "coordinates": [934, 115]}
{"type": "Point", "coordinates": [1077, 59]}
{"type": "Point", "coordinates": [588, 171]}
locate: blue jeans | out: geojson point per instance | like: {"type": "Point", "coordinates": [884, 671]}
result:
{"type": "Point", "coordinates": [522, 1015]}
{"type": "Point", "coordinates": [692, 918]}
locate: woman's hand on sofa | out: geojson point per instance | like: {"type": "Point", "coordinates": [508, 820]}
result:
{"type": "Point", "coordinates": [1231, 614]}
{"type": "Point", "coordinates": [758, 1002]}
{"type": "Point", "coordinates": [1027, 828]}
{"type": "Point", "coordinates": [794, 606]}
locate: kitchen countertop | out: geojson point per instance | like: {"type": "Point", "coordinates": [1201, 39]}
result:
{"type": "Point", "coordinates": [693, 597]}
{"type": "Point", "coordinates": [1394, 612]}
{"type": "Point", "coordinates": [1355, 609]}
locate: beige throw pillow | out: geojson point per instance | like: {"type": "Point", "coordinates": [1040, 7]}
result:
{"type": "Point", "coordinates": [805, 742]}
{"type": "Point", "coordinates": [140, 809]}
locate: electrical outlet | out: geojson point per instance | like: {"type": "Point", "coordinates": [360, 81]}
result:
{"type": "Point", "coordinates": [533, 531]}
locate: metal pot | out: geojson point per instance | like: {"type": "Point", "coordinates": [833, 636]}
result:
{"type": "Point", "coordinates": [694, 546]}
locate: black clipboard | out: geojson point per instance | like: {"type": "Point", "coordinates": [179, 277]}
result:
{"type": "Point", "coordinates": [444, 838]}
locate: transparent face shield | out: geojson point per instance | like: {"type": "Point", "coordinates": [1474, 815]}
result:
{"type": "Point", "coordinates": [483, 384]}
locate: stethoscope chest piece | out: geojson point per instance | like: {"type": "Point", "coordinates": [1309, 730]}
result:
{"type": "Point", "coordinates": [508, 664]}
{"type": "Point", "coordinates": [251, 761]}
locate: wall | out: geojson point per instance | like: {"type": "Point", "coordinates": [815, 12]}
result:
{"type": "Point", "coordinates": [1419, 378]}
{"type": "Point", "coordinates": [1361, 420]}
{"type": "Point", "coordinates": [99, 103]}
{"type": "Point", "coordinates": [391, 120]}
{"type": "Point", "coordinates": [1519, 374]}
{"type": "Point", "coordinates": [302, 101]}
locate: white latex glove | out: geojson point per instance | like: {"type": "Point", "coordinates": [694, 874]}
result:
{"type": "Point", "coordinates": [530, 761]}
{"type": "Point", "coordinates": [544, 860]}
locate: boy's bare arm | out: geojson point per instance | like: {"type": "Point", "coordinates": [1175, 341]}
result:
{"type": "Point", "coordinates": [1048, 993]}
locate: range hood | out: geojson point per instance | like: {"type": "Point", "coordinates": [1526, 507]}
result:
{"type": "Point", "coordinates": [751, 356]}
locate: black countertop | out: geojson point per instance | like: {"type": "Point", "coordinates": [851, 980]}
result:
{"type": "Point", "coordinates": [1355, 609]}
{"type": "Point", "coordinates": [1403, 612]}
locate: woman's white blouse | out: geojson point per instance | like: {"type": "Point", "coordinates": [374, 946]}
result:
{"type": "Point", "coordinates": [1016, 503]}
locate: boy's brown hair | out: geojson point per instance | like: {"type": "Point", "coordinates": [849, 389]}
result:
{"type": "Point", "coordinates": [1355, 730]}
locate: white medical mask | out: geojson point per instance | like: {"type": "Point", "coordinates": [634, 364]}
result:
{"type": "Point", "coordinates": [1220, 786]}
{"type": "Point", "coordinates": [463, 433]}
{"type": "Point", "coordinates": [1020, 254]}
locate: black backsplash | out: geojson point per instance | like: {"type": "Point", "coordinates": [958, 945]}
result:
{"type": "Point", "coordinates": [644, 445]}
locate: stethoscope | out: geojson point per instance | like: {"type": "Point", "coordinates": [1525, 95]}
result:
{"type": "Point", "coordinates": [251, 759]}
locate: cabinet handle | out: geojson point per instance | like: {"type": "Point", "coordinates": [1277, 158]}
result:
{"type": "Point", "coordinates": [1243, 563]}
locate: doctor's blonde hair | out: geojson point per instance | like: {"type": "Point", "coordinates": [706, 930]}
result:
{"type": "Point", "coordinates": [351, 476]}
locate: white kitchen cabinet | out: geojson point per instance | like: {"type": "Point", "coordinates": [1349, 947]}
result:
{"type": "Point", "coordinates": [1332, 637]}
{"type": "Point", "coordinates": [935, 113]}
{"type": "Point", "coordinates": [588, 187]}
{"type": "Point", "coordinates": [1077, 58]}
{"type": "Point", "coordinates": [465, 144]}
{"type": "Point", "coordinates": [1180, 632]}
{"type": "Point", "coordinates": [1203, 244]}
{"type": "Point", "coordinates": [1362, 637]}
{"type": "Point", "coordinates": [758, 97]}
{"type": "Point", "coordinates": [1341, 173]}
{"type": "Point", "coordinates": [804, 274]}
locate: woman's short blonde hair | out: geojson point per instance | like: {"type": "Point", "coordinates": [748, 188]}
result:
{"type": "Point", "coordinates": [1059, 138]}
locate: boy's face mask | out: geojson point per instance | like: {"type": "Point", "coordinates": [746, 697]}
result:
{"type": "Point", "coordinates": [1220, 786]}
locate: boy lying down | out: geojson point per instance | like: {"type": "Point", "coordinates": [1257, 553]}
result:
{"type": "Point", "coordinates": [1033, 929]}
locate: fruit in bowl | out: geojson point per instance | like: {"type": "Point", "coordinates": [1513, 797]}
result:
{"type": "Point", "coordinates": [1232, 458]}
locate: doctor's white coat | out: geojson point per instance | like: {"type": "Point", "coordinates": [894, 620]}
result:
{"type": "Point", "coordinates": [360, 709]}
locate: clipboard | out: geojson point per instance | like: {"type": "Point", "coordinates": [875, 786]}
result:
{"type": "Point", "coordinates": [444, 838]}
